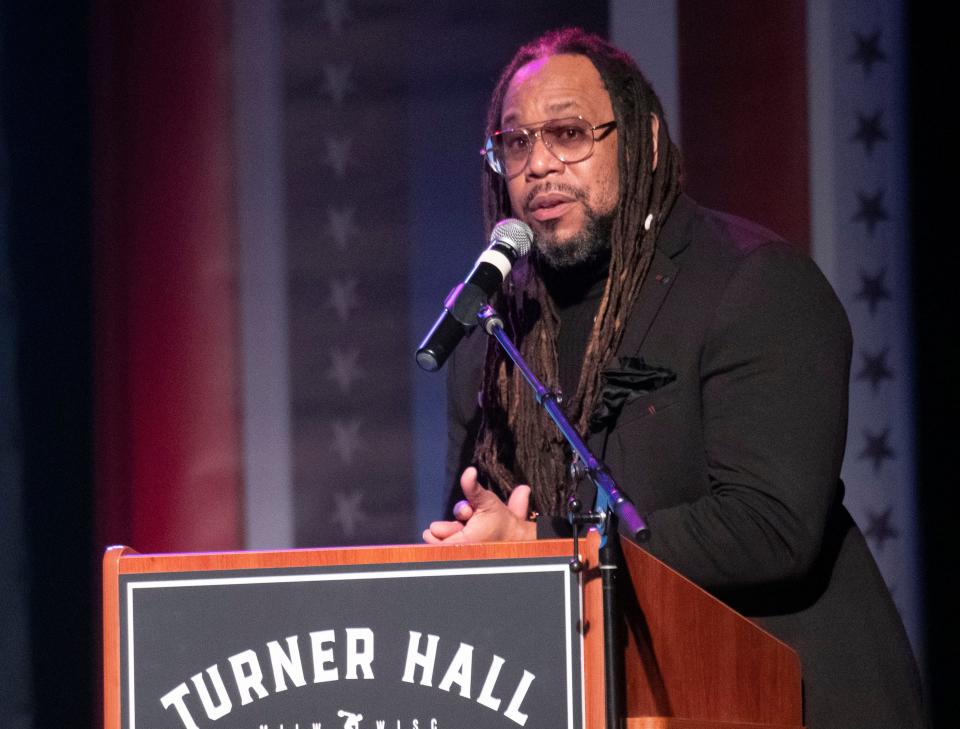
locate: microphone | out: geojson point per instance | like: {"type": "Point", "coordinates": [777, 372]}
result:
{"type": "Point", "coordinates": [510, 240]}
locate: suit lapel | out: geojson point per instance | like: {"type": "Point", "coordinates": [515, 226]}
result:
{"type": "Point", "coordinates": [663, 271]}
{"type": "Point", "coordinates": [675, 236]}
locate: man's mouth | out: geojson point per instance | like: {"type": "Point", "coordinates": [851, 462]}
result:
{"type": "Point", "coordinates": [549, 206]}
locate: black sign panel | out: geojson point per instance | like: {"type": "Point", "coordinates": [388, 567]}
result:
{"type": "Point", "coordinates": [401, 646]}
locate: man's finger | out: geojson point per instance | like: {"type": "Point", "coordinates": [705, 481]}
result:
{"type": "Point", "coordinates": [479, 498]}
{"type": "Point", "coordinates": [470, 485]}
{"type": "Point", "coordinates": [462, 511]}
{"type": "Point", "coordinates": [519, 502]}
{"type": "Point", "coordinates": [440, 536]}
{"type": "Point", "coordinates": [444, 529]}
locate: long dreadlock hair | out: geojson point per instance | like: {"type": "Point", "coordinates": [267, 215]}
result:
{"type": "Point", "coordinates": [517, 443]}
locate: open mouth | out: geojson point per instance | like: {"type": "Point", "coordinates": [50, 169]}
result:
{"type": "Point", "coordinates": [548, 207]}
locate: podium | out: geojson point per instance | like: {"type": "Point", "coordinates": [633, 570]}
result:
{"type": "Point", "coordinates": [425, 637]}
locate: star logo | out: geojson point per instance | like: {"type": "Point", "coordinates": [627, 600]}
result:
{"type": "Point", "coordinates": [340, 223]}
{"type": "Point", "coordinates": [873, 290]}
{"type": "Point", "coordinates": [347, 511]}
{"type": "Point", "coordinates": [343, 368]}
{"type": "Point", "coordinates": [869, 131]}
{"type": "Point", "coordinates": [338, 154]}
{"type": "Point", "coordinates": [875, 368]}
{"type": "Point", "coordinates": [868, 51]}
{"type": "Point", "coordinates": [346, 439]}
{"type": "Point", "coordinates": [871, 210]}
{"type": "Point", "coordinates": [336, 13]}
{"type": "Point", "coordinates": [879, 528]}
{"type": "Point", "coordinates": [336, 82]}
{"type": "Point", "coordinates": [343, 297]}
{"type": "Point", "coordinates": [876, 449]}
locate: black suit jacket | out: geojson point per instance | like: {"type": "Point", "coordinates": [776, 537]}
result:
{"type": "Point", "coordinates": [736, 462]}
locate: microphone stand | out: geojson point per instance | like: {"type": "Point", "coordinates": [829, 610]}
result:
{"type": "Point", "coordinates": [611, 509]}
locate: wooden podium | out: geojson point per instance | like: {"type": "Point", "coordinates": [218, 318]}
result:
{"type": "Point", "coordinates": [690, 662]}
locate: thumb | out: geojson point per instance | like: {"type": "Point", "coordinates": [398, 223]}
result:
{"type": "Point", "coordinates": [519, 502]}
{"type": "Point", "coordinates": [475, 493]}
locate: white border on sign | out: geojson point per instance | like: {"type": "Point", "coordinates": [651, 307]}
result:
{"type": "Point", "coordinates": [374, 575]}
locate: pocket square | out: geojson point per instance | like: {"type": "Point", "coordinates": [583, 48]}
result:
{"type": "Point", "coordinates": [624, 384]}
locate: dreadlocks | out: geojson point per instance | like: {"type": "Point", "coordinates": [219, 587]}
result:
{"type": "Point", "coordinates": [517, 443]}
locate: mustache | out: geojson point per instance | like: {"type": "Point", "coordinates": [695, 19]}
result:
{"type": "Point", "coordinates": [562, 188]}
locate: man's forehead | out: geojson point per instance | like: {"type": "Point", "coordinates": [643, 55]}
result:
{"type": "Point", "coordinates": [554, 86]}
{"type": "Point", "coordinates": [529, 69]}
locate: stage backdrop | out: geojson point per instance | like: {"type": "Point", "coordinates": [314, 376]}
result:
{"type": "Point", "coordinates": [288, 190]}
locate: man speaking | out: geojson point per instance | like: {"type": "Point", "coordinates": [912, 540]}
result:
{"type": "Point", "coordinates": [705, 360]}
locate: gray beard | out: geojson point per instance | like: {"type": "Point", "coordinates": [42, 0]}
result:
{"type": "Point", "coordinates": [587, 246]}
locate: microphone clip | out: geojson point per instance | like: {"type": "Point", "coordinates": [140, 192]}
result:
{"type": "Point", "coordinates": [464, 302]}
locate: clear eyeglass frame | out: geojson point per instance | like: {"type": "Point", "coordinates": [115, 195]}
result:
{"type": "Point", "coordinates": [532, 133]}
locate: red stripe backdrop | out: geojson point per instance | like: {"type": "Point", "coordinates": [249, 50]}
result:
{"type": "Point", "coordinates": [167, 398]}
{"type": "Point", "coordinates": [743, 92]}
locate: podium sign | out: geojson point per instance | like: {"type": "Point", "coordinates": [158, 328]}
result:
{"type": "Point", "coordinates": [418, 645]}
{"type": "Point", "coordinates": [478, 636]}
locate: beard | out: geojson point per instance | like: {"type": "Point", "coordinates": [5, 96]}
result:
{"type": "Point", "coordinates": [589, 245]}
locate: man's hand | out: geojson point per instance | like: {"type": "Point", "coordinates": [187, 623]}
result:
{"type": "Point", "coordinates": [484, 517]}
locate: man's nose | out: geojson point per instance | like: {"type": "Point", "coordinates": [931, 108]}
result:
{"type": "Point", "coordinates": [542, 161]}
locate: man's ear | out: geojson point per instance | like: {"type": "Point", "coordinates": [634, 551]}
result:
{"type": "Point", "coordinates": [655, 130]}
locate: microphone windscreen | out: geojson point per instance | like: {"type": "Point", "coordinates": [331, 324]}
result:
{"type": "Point", "coordinates": [513, 233]}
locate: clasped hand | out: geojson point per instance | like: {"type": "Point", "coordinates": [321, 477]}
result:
{"type": "Point", "coordinates": [483, 517]}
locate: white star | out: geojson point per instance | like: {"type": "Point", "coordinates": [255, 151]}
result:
{"type": "Point", "coordinates": [336, 82]}
{"type": "Point", "coordinates": [336, 13]}
{"type": "Point", "coordinates": [343, 368]}
{"type": "Point", "coordinates": [340, 222]}
{"type": "Point", "coordinates": [348, 512]}
{"type": "Point", "coordinates": [346, 439]}
{"type": "Point", "coordinates": [343, 297]}
{"type": "Point", "coordinates": [338, 154]}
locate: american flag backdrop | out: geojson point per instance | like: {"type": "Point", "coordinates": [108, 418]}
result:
{"type": "Point", "coordinates": [861, 239]}
{"type": "Point", "coordinates": [376, 210]}
{"type": "Point", "coordinates": [357, 137]}
{"type": "Point", "coordinates": [346, 169]}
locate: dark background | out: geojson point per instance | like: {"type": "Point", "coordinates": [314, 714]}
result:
{"type": "Point", "coordinates": [938, 345]}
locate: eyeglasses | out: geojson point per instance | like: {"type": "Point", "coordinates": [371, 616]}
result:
{"type": "Point", "coordinates": [569, 140]}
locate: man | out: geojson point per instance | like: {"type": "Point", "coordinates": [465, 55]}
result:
{"type": "Point", "coordinates": [706, 360]}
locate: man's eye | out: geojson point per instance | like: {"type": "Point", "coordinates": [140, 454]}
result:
{"type": "Point", "coordinates": [515, 142]}
{"type": "Point", "coordinates": [567, 135]}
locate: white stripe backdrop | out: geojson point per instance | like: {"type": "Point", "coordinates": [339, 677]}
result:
{"type": "Point", "coordinates": [861, 239]}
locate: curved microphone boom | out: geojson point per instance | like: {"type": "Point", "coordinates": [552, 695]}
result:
{"type": "Point", "coordinates": [510, 240]}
